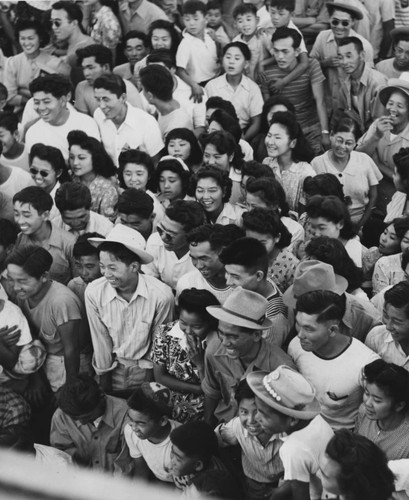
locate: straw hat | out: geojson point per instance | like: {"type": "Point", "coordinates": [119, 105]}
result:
{"type": "Point", "coordinates": [394, 84]}
{"type": "Point", "coordinates": [355, 12]}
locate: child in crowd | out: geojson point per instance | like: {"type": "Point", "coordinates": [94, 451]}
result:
{"type": "Point", "coordinates": [215, 22]}
{"type": "Point", "coordinates": [148, 432]}
{"type": "Point", "coordinates": [264, 19]}
{"type": "Point", "coordinates": [14, 153]}
{"type": "Point", "coordinates": [261, 462]}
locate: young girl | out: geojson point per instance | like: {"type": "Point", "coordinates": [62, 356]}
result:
{"type": "Point", "coordinates": [182, 143]}
{"type": "Point", "coordinates": [172, 180]}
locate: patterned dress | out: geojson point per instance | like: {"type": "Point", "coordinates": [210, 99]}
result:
{"type": "Point", "coordinates": [282, 270]}
{"type": "Point", "coordinates": [170, 351]}
{"type": "Point", "coordinates": [105, 28]}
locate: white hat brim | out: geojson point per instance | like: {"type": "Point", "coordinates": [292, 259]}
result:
{"type": "Point", "coordinates": [144, 257]}
{"type": "Point", "coordinates": [228, 317]}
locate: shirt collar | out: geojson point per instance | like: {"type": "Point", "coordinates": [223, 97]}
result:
{"type": "Point", "coordinates": [111, 294]}
{"type": "Point", "coordinates": [347, 318]}
{"type": "Point", "coordinates": [55, 239]}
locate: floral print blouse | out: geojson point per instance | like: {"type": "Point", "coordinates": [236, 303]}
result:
{"type": "Point", "coordinates": [105, 28]}
{"type": "Point", "coordinates": [282, 270]}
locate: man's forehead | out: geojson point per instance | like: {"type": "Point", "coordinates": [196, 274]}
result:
{"type": "Point", "coordinates": [26, 207]}
{"type": "Point", "coordinates": [59, 14]}
{"type": "Point", "coordinates": [43, 95]}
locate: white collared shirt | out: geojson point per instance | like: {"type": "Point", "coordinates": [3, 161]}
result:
{"type": "Point", "coordinates": [97, 224]}
{"type": "Point", "coordinates": [198, 57]}
{"type": "Point", "coordinates": [380, 340]}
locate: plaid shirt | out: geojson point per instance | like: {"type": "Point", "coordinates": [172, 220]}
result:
{"type": "Point", "coordinates": [14, 410]}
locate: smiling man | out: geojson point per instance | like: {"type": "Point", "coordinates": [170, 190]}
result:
{"type": "Point", "coordinates": [394, 66]}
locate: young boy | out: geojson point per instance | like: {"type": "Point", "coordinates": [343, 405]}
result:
{"type": "Point", "coordinates": [264, 19]}
{"type": "Point", "coordinates": [86, 258]}
{"type": "Point", "coordinates": [148, 432]}
{"type": "Point", "coordinates": [136, 48]}
{"type": "Point", "coordinates": [215, 22]}
{"type": "Point", "coordinates": [197, 54]}
{"type": "Point", "coordinates": [32, 207]}
{"type": "Point", "coordinates": [237, 88]}
{"type": "Point", "coordinates": [261, 462]}
{"type": "Point", "coordinates": [14, 153]}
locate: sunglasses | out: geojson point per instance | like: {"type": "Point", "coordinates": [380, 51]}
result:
{"type": "Point", "coordinates": [43, 173]}
{"type": "Point", "coordinates": [335, 22]}
{"type": "Point", "coordinates": [56, 23]}
{"type": "Point", "coordinates": [161, 231]}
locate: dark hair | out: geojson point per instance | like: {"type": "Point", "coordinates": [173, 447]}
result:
{"type": "Point", "coordinates": [102, 54]}
{"type": "Point", "coordinates": [56, 85]}
{"type": "Point", "coordinates": [217, 102]}
{"type": "Point", "coordinates": [270, 191]}
{"type": "Point", "coordinates": [356, 42]}
{"type": "Point", "coordinates": [139, 401]}
{"type": "Point", "coordinates": [73, 10]}
{"type": "Point", "coordinates": [193, 6]}
{"type": "Point", "coordinates": [102, 163]}
{"type": "Point", "coordinates": [196, 438]}
{"type": "Point", "coordinates": [244, 8]}
{"type": "Point", "coordinates": [364, 473]}
{"type": "Point", "coordinates": [82, 247]}
{"type": "Point", "coordinates": [400, 37]}
{"type": "Point", "coordinates": [53, 156]}
{"type": "Point", "coordinates": [188, 214]}
{"type": "Point", "coordinates": [139, 158]}
{"type": "Point", "coordinates": [255, 170]}
{"type": "Point", "coordinates": [79, 395]}
{"type": "Point", "coordinates": [285, 32]}
{"type": "Point", "coordinates": [267, 221]}
{"type": "Point", "coordinates": [173, 165]}
{"type": "Point", "coordinates": [31, 24]}
{"type": "Point", "coordinates": [324, 185]}
{"type": "Point", "coordinates": [401, 225]}
{"type": "Point", "coordinates": [34, 260]}
{"type": "Point", "coordinates": [158, 81]}
{"type": "Point", "coordinates": [228, 123]}
{"type": "Point", "coordinates": [391, 378]}
{"type": "Point", "coordinates": [3, 92]}
{"type": "Point", "coordinates": [195, 301]}
{"type": "Point", "coordinates": [398, 296]}
{"type": "Point", "coordinates": [331, 9]}
{"type": "Point", "coordinates": [405, 259]}
{"type": "Point", "coordinates": [332, 251]}
{"type": "Point", "coordinates": [35, 196]}
{"type": "Point", "coordinates": [196, 155]}
{"type": "Point", "coordinates": [135, 34]}
{"type": "Point", "coordinates": [246, 252]}
{"type": "Point", "coordinates": [270, 103]}
{"type": "Point", "coordinates": [334, 210]}
{"type": "Point", "coordinates": [212, 5]}
{"type": "Point", "coordinates": [220, 176]}
{"type": "Point", "coordinates": [164, 56]}
{"type": "Point", "coordinates": [243, 391]}
{"type": "Point", "coordinates": [282, 4]}
{"type": "Point", "coordinates": [217, 235]}
{"type": "Point", "coordinates": [72, 196]}
{"type": "Point", "coordinates": [8, 233]}
{"type": "Point", "coordinates": [347, 124]}
{"type": "Point", "coordinates": [401, 161]}
{"type": "Point", "coordinates": [225, 143]}
{"type": "Point", "coordinates": [135, 201]}
{"type": "Point", "coordinates": [112, 83]}
{"type": "Point", "coordinates": [302, 150]}
{"type": "Point", "coordinates": [326, 304]}
{"type": "Point", "coordinates": [162, 24]}
{"type": "Point", "coordinates": [119, 251]}
{"type": "Point", "coordinates": [218, 484]}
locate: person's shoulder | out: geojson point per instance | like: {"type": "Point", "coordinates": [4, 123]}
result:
{"type": "Point", "coordinates": [158, 290]}
{"type": "Point", "coordinates": [60, 294]}
{"type": "Point", "coordinates": [96, 287]}
{"type": "Point", "coordinates": [80, 118]}
{"type": "Point", "coordinates": [154, 240]}
{"type": "Point", "coordinates": [377, 336]}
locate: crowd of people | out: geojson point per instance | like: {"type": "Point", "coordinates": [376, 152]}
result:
{"type": "Point", "coordinates": [204, 243]}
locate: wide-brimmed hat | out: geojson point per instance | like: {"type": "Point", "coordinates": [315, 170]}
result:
{"type": "Point", "coordinates": [394, 84]}
{"type": "Point", "coordinates": [287, 391]}
{"type": "Point", "coordinates": [355, 12]}
{"type": "Point", "coordinates": [313, 275]}
{"type": "Point", "coordinates": [243, 308]}
{"type": "Point", "coordinates": [129, 238]}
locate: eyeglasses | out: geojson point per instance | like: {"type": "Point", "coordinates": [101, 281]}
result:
{"type": "Point", "coordinates": [166, 234]}
{"type": "Point", "coordinates": [56, 22]}
{"type": "Point", "coordinates": [335, 22]}
{"type": "Point", "coordinates": [43, 173]}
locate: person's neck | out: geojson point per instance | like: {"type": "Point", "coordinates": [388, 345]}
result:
{"type": "Point", "coordinates": [61, 118]}
{"type": "Point", "coordinates": [334, 346]}
{"type": "Point", "coordinates": [120, 117]}
{"type": "Point", "coordinates": [356, 75]}
{"type": "Point", "coordinates": [33, 55]}
{"type": "Point", "coordinates": [127, 291]}
{"type": "Point", "coordinates": [43, 233]}
{"type": "Point", "coordinates": [264, 288]}
{"type": "Point", "coordinates": [86, 179]}
{"type": "Point", "coordinates": [212, 216]}
{"type": "Point", "coordinates": [392, 422]}
{"type": "Point", "coordinates": [15, 151]}
{"type": "Point", "coordinates": [405, 346]}
{"type": "Point", "coordinates": [161, 435]}
{"type": "Point", "coordinates": [251, 355]}
{"type": "Point", "coordinates": [234, 80]}
{"type": "Point", "coordinates": [181, 252]}
{"type": "Point", "coordinates": [166, 107]}
{"type": "Point", "coordinates": [49, 188]}
{"type": "Point", "coordinates": [247, 38]}
{"type": "Point", "coordinates": [399, 128]}
{"type": "Point", "coordinates": [135, 5]}
{"type": "Point", "coordinates": [219, 279]}
{"type": "Point", "coordinates": [5, 173]}
{"type": "Point", "coordinates": [285, 160]}
{"type": "Point", "coordinates": [200, 35]}
{"type": "Point", "coordinates": [75, 37]}
{"type": "Point", "coordinates": [340, 164]}
{"type": "Point", "coordinates": [38, 297]}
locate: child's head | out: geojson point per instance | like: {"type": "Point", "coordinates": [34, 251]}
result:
{"type": "Point", "coordinates": [236, 57]}
{"type": "Point", "coordinates": [3, 96]}
{"type": "Point", "coordinates": [73, 200]}
{"type": "Point", "coordinates": [135, 169]}
{"type": "Point", "coordinates": [214, 14]}
{"type": "Point", "coordinates": [246, 20]}
{"type": "Point", "coordinates": [32, 207]}
{"type": "Point", "coordinates": [281, 12]}
{"type": "Point", "coordinates": [247, 408]}
{"type": "Point", "coordinates": [8, 131]}
{"type": "Point", "coordinates": [182, 143]}
{"type": "Point", "coordinates": [136, 46]}
{"type": "Point", "coordinates": [86, 258]}
{"type": "Point", "coordinates": [149, 410]}
{"type": "Point", "coordinates": [194, 17]}
{"type": "Point", "coordinates": [193, 446]}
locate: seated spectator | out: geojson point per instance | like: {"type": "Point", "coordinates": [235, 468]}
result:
{"type": "Point", "coordinates": [214, 21]}
{"type": "Point", "coordinates": [212, 188]}
{"type": "Point", "coordinates": [148, 430]}
{"type": "Point", "coordinates": [172, 180]}
{"type": "Point", "coordinates": [12, 179]}
{"type": "Point", "coordinates": [178, 353]}
{"type": "Point", "coordinates": [32, 207]}
{"type": "Point", "coordinates": [95, 61]}
{"type": "Point", "coordinates": [14, 152]}
{"type": "Point", "coordinates": [398, 205]}
{"type": "Point", "coordinates": [383, 417]}
{"type": "Point", "coordinates": [206, 242]}
{"type": "Point", "coordinates": [54, 312]}
{"type": "Point", "coordinates": [239, 349]}
{"type": "Point", "coordinates": [135, 49]}
{"type": "Point", "coordinates": [182, 143]}
{"type": "Point", "coordinates": [136, 210]}
{"type": "Point", "coordinates": [91, 166]}
{"type": "Point", "coordinates": [88, 424]}
{"type": "Point", "coordinates": [51, 95]}
{"type": "Point", "coordinates": [395, 66]}
{"type": "Point", "coordinates": [74, 202]}
{"type": "Point", "coordinates": [391, 340]}
{"type": "Point", "coordinates": [169, 246]}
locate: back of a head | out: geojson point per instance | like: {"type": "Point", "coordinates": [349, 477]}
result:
{"type": "Point", "coordinates": [135, 202]}
{"type": "Point", "coordinates": [249, 253]}
{"type": "Point", "coordinates": [270, 190]}
{"type": "Point", "coordinates": [35, 196]}
{"type": "Point", "coordinates": [325, 185]}
{"type": "Point", "coordinates": [217, 102]}
{"type": "Point", "coordinates": [227, 122]}
{"type": "Point", "coordinates": [158, 81]}
{"type": "Point", "coordinates": [79, 396]}
{"type": "Point", "coordinates": [8, 233]}
{"type": "Point", "coordinates": [217, 235]}
{"type": "Point", "coordinates": [325, 304]}
{"type": "Point", "coordinates": [72, 196]}
{"type": "Point", "coordinates": [164, 56]}
{"type": "Point", "coordinates": [256, 170]}
{"type": "Point", "coordinates": [189, 214]}
{"type": "Point", "coordinates": [196, 439]}
{"type": "Point", "coordinates": [267, 221]}
{"type": "Point", "coordinates": [9, 121]}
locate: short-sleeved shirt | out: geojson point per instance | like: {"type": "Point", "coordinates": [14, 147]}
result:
{"type": "Point", "coordinates": [97, 224]}
{"type": "Point", "coordinates": [141, 18]}
{"type": "Point", "coordinates": [138, 131]}
{"type": "Point", "coordinates": [231, 214]}
{"type": "Point", "coordinates": [298, 92]}
{"type": "Point", "coordinates": [380, 11]}
{"type": "Point", "coordinates": [388, 68]}
{"type": "Point", "coordinates": [246, 98]}
{"type": "Point", "coordinates": [196, 110]}
{"type": "Point", "coordinates": [195, 279]}
{"type": "Point", "coordinates": [198, 57]}
{"type": "Point", "coordinates": [18, 180]}
{"type": "Point", "coordinates": [380, 340]}
{"type": "Point", "coordinates": [178, 118]}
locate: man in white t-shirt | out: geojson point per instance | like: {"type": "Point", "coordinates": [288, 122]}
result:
{"type": "Point", "coordinates": [121, 125]}
{"type": "Point", "coordinates": [51, 94]}
{"type": "Point", "coordinates": [331, 361]}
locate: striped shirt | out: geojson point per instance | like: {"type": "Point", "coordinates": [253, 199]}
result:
{"type": "Point", "coordinates": [277, 313]}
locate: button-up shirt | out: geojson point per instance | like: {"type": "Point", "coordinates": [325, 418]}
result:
{"type": "Point", "coordinates": [198, 57]}
{"type": "Point", "coordinates": [97, 224]}
{"type": "Point", "coordinates": [121, 329]}
{"type": "Point", "coordinates": [380, 340]}
{"type": "Point", "coordinates": [141, 18]}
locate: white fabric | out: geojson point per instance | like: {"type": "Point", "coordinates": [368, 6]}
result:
{"type": "Point", "coordinates": [198, 57]}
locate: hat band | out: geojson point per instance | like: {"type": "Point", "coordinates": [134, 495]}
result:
{"type": "Point", "coordinates": [247, 318]}
{"type": "Point", "coordinates": [277, 397]}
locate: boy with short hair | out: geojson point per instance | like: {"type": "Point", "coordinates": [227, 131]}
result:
{"type": "Point", "coordinates": [197, 54]}
{"type": "Point", "coordinates": [14, 153]}
{"type": "Point", "coordinates": [264, 19]}
{"type": "Point", "coordinates": [136, 210]}
{"type": "Point", "coordinates": [215, 22]}
{"type": "Point", "coordinates": [148, 431]}
{"type": "Point", "coordinates": [237, 88]}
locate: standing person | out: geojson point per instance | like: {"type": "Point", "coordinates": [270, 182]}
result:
{"type": "Point", "coordinates": [382, 18]}
{"type": "Point", "coordinates": [124, 308]}
{"type": "Point", "coordinates": [138, 15]}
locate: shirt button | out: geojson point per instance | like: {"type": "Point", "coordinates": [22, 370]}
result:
{"type": "Point", "coordinates": [95, 437]}
{"type": "Point", "coordinates": [339, 175]}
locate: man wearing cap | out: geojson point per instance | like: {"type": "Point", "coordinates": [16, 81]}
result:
{"type": "Point", "coordinates": [394, 66]}
{"type": "Point", "coordinates": [359, 317]}
{"type": "Point", "coordinates": [331, 361]}
{"type": "Point", "coordinates": [239, 350]}
{"type": "Point", "coordinates": [124, 308]}
{"type": "Point", "coordinates": [325, 49]}
{"type": "Point", "coordinates": [287, 405]}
